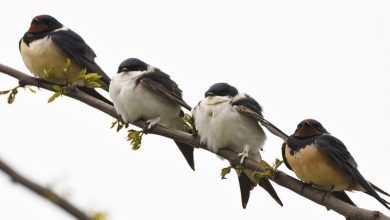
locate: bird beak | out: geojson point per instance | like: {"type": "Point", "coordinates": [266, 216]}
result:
{"type": "Point", "coordinates": [209, 94]}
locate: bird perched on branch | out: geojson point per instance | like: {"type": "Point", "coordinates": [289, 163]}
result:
{"type": "Point", "coordinates": [319, 158]}
{"type": "Point", "coordinates": [228, 119]}
{"type": "Point", "coordinates": [143, 92]}
{"type": "Point", "coordinates": [48, 46]}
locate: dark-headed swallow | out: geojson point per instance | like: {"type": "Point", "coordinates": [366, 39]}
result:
{"type": "Point", "coordinates": [140, 91]}
{"type": "Point", "coordinates": [48, 44]}
{"type": "Point", "coordinates": [319, 158]}
{"type": "Point", "coordinates": [228, 119]}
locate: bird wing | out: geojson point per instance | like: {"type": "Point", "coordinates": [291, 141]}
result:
{"type": "Point", "coordinates": [284, 156]}
{"type": "Point", "coordinates": [338, 153]}
{"type": "Point", "coordinates": [246, 186]}
{"type": "Point", "coordinates": [160, 83]}
{"type": "Point", "coordinates": [78, 51]}
{"type": "Point", "coordinates": [249, 107]}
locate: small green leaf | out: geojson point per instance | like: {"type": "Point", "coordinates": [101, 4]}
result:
{"type": "Point", "coordinates": [49, 74]}
{"type": "Point", "coordinates": [5, 92]}
{"type": "Point", "coordinates": [114, 123]}
{"type": "Point", "coordinates": [119, 125]}
{"type": "Point", "coordinates": [92, 77]}
{"type": "Point", "coordinates": [277, 163]}
{"type": "Point", "coordinates": [225, 171]}
{"type": "Point", "coordinates": [31, 90]}
{"type": "Point", "coordinates": [189, 124]}
{"type": "Point", "coordinates": [66, 68]}
{"type": "Point", "coordinates": [94, 84]}
{"type": "Point", "coordinates": [12, 95]}
{"type": "Point", "coordinates": [99, 216]}
{"type": "Point", "coordinates": [269, 170]}
{"type": "Point", "coordinates": [53, 97]}
{"type": "Point", "coordinates": [258, 175]}
{"type": "Point", "coordinates": [57, 88]}
{"type": "Point", "coordinates": [83, 72]}
{"type": "Point", "coordinates": [265, 165]}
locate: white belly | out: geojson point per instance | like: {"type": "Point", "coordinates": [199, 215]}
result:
{"type": "Point", "coordinates": [220, 126]}
{"type": "Point", "coordinates": [137, 102]}
{"type": "Point", "coordinates": [43, 55]}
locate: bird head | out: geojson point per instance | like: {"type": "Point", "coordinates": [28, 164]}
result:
{"type": "Point", "coordinates": [43, 24]}
{"type": "Point", "coordinates": [309, 128]}
{"type": "Point", "coordinates": [221, 89]}
{"type": "Point", "coordinates": [132, 64]}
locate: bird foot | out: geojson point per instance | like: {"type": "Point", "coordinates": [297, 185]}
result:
{"type": "Point", "coordinates": [305, 185]}
{"type": "Point", "coordinates": [150, 124]}
{"type": "Point", "coordinates": [243, 155]}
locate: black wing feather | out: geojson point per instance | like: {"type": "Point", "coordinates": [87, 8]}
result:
{"type": "Point", "coordinates": [266, 184]}
{"type": "Point", "coordinates": [78, 51]}
{"type": "Point", "coordinates": [162, 84]}
{"type": "Point", "coordinates": [336, 150]}
{"type": "Point", "coordinates": [252, 109]}
{"type": "Point", "coordinates": [188, 153]}
{"type": "Point", "coordinates": [343, 197]}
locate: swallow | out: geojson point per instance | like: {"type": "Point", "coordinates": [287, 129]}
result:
{"type": "Point", "coordinates": [226, 118]}
{"type": "Point", "coordinates": [48, 44]}
{"type": "Point", "coordinates": [143, 92]}
{"type": "Point", "coordinates": [320, 159]}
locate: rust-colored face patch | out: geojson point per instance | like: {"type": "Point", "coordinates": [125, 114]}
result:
{"type": "Point", "coordinates": [307, 128]}
{"type": "Point", "coordinates": [37, 26]}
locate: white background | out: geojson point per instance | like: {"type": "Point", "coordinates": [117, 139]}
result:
{"type": "Point", "coordinates": [328, 60]}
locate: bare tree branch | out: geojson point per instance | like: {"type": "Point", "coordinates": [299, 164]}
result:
{"type": "Point", "coordinates": [44, 192]}
{"type": "Point", "coordinates": [316, 195]}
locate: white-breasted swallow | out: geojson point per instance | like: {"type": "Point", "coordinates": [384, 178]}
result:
{"type": "Point", "coordinates": [140, 91]}
{"type": "Point", "coordinates": [228, 119]}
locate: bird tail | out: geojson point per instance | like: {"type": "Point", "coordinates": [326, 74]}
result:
{"type": "Point", "coordinates": [378, 189]}
{"type": "Point", "coordinates": [92, 92]}
{"type": "Point", "coordinates": [266, 184]}
{"type": "Point", "coordinates": [246, 185]}
{"type": "Point", "coordinates": [343, 197]}
{"type": "Point", "coordinates": [370, 190]}
{"type": "Point", "coordinates": [188, 153]}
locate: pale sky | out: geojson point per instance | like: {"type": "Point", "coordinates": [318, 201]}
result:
{"type": "Point", "coordinates": [328, 60]}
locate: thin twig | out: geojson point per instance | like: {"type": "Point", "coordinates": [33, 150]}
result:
{"type": "Point", "coordinates": [44, 192]}
{"type": "Point", "coordinates": [316, 195]}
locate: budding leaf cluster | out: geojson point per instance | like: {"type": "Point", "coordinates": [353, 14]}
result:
{"type": "Point", "coordinates": [12, 94]}
{"type": "Point", "coordinates": [189, 124]}
{"type": "Point", "coordinates": [225, 171]}
{"type": "Point", "coordinates": [269, 170]}
{"type": "Point", "coordinates": [119, 125]}
{"type": "Point", "coordinates": [58, 91]}
{"type": "Point", "coordinates": [135, 138]}
{"type": "Point", "coordinates": [90, 79]}
{"type": "Point", "coordinates": [99, 216]}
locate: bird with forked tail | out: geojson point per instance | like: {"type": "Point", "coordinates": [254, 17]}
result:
{"type": "Point", "coordinates": [319, 158]}
{"type": "Point", "coordinates": [228, 119]}
{"type": "Point", "coordinates": [48, 45]}
{"type": "Point", "coordinates": [143, 92]}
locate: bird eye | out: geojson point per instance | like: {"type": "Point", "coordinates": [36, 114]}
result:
{"type": "Point", "coordinates": [35, 21]}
